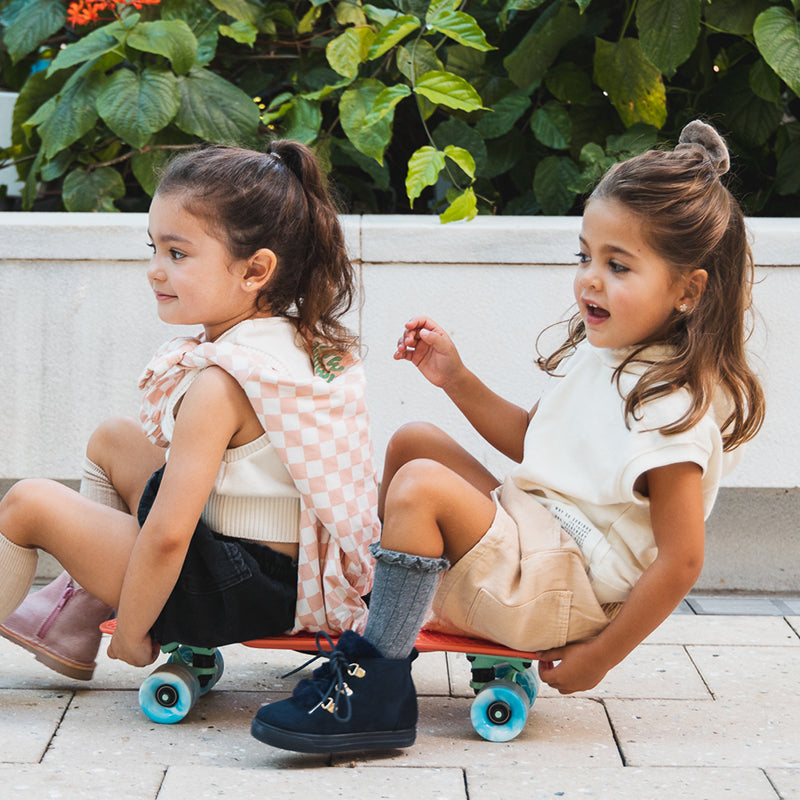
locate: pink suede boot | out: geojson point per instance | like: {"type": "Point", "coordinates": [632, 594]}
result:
{"type": "Point", "coordinates": [59, 624]}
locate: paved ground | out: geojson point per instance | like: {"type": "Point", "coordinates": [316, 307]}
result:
{"type": "Point", "coordinates": [708, 707]}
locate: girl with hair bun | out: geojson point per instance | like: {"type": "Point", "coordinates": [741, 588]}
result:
{"type": "Point", "coordinates": [597, 534]}
{"type": "Point", "coordinates": [263, 500]}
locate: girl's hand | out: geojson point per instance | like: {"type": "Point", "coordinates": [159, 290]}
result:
{"type": "Point", "coordinates": [577, 670]}
{"type": "Point", "coordinates": [137, 654]}
{"type": "Point", "coordinates": [430, 349]}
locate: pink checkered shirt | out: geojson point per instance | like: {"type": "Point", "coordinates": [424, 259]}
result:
{"type": "Point", "coordinates": [320, 428]}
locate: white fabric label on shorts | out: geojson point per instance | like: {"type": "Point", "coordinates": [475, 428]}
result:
{"type": "Point", "coordinates": [586, 536]}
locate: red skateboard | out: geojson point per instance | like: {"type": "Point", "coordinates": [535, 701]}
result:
{"type": "Point", "coordinates": [505, 681]}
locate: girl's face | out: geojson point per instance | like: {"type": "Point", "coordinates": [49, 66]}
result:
{"type": "Point", "coordinates": [194, 277]}
{"type": "Point", "coordinates": [626, 293]}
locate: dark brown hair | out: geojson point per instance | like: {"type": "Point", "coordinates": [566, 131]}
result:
{"type": "Point", "coordinates": [692, 222]}
{"type": "Point", "coordinates": [277, 200]}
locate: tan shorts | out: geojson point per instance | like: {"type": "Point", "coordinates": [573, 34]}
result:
{"type": "Point", "coordinates": [524, 584]}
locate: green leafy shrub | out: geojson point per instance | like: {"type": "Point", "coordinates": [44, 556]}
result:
{"type": "Point", "coordinates": [490, 106]}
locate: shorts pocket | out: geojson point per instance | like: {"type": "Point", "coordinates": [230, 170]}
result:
{"type": "Point", "coordinates": [538, 624]}
{"type": "Point", "coordinates": [213, 566]}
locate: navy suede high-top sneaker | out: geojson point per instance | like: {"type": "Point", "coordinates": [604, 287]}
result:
{"type": "Point", "coordinates": [358, 700]}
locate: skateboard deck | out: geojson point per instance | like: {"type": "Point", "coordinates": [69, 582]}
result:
{"type": "Point", "coordinates": [505, 680]}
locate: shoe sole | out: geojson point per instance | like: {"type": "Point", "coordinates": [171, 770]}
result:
{"type": "Point", "coordinates": [333, 742]}
{"type": "Point", "coordinates": [71, 669]}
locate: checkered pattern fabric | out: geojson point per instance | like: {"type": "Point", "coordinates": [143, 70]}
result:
{"type": "Point", "coordinates": [320, 428]}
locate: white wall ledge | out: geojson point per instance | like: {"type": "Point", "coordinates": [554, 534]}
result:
{"type": "Point", "coordinates": [78, 323]}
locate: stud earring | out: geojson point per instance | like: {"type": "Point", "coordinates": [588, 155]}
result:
{"type": "Point", "coordinates": [248, 283]}
{"type": "Point", "coordinates": [683, 308]}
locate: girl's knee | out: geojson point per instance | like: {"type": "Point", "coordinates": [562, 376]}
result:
{"type": "Point", "coordinates": [416, 479]}
{"type": "Point", "coordinates": [111, 437]}
{"type": "Point", "coordinates": [19, 505]}
{"type": "Point", "coordinates": [413, 440]}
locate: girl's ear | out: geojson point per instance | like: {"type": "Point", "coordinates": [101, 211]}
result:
{"type": "Point", "coordinates": [260, 268]}
{"type": "Point", "coordinates": [693, 288]}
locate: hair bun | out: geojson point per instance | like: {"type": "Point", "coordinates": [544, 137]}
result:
{"type": "Point", "coordinates": [700, 136]}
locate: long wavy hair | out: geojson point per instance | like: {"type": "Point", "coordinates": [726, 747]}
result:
{"type": "Point", "coordinates": [277, 200]}
{"type": "Point", "coordinates": [692, 222]}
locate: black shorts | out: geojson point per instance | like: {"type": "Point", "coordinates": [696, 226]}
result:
{"type": "Point", "coordinates": [229, 590]}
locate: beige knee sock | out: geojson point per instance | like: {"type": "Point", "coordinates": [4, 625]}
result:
{"type": "Point", "coordinates": [17, 571]}
{"type": "Point", "coordinates": [96, 486]}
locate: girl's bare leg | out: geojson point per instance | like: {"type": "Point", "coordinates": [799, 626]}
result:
{"type": "Point", "coordinates": [119, 447]}
{"type": "Point", "coordinates": [431, 511]}
{"type": "Point", "coordinates": [92, 542]}
{"type": "Point", "coordinates": [421, 440]}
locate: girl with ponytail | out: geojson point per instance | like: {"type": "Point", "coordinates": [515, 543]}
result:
{"type": "Point", "coordinates": [258, 518]}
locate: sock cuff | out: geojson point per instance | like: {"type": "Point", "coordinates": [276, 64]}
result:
{"type": "Point", "coordinates": [15, 557]}
{"type": "Point", "coordinates": [407, 560]}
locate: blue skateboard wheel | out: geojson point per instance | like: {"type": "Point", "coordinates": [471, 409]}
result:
{"type": "Point", "coordinates": [500, 710]}
{"type": "Point", "coordinates": [169, 693]}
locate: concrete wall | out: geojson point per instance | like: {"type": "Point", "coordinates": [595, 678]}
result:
{"type": "Point", "coordinates": [77, 324]}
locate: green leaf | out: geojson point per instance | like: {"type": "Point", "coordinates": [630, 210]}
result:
{"type": "Point", "coordinates": [383, 16]}
{"type": "Point", "coordinates": [733, 16]}
{"type": "Point", "coordinates": [569, 83]}
{"type": "Point", "coordinates": [424, 167]}
{"type": "Point", "coordinates": [74, 112]}
{"type": "Point", "coordinates": [462, 157]}
{"type": "Point", "coordinates": [531, 58]}
{"type": "Point", "coordinates": [765, 83]}
{"type": "Point", "coordinates": [241, 32]}
{"type": "Point", "coordinates": [668, 31]}
{"type": "Point", "coordinates": [633, 85]}
{"type": "Point", "coordinates": [516, 5]}
{"type": "Point", "coordinates": [456, 132]}
{"type": "Point", "coordinates": [349, 13]}
{"type": "Point", "coordinates": [446, 89]}
{"type": "Point", "coordinates": [136, 106]}
{"type": "Point", "coordinates": [385, 103]}
{"type": "Point", "coordinates": [349, 50]}
{"type": "Point", "coordinates": [302, 121]}
{"type": "Point", "coordinates": [34, 22]}
{"type": "Point", "coordinates": [147, 167]}
{"type": "Point", "coordinates": [551, 126]}
{"type": "Point", "coordinates": [417, 59]}
{"type": "Point", "coordinates": [239, 9]}
{"type": "Point", "coordinates": [215, 110]}
{"type": "Point", "coordinates": [93, 45]}
{"type": "Point", "coordinates": [753, 119]}
{"type": "Point", "coordinates": [777, 37]}
{"type": "Point", "coordinates": [787, 176]}
{"type": "Point", "coordinates": [202, 21]}
{"type": "Point", "coordinates": [172, 39]}
{"type": "Point", "coordinates": [635, 140]}
{"type": "Point", "coordinates": [464, 207]}
{"type": "Point", "coordinates": [391, 34]}
{"type": "Point", "coordinates": [460, 27]}
{"type": "Point", "coordinates": [93, 191]}
{"type": "Point", "coordinates": [551, 181]}
{"type": "Point", "coordinates": [502, 116]}
{"type": "Point", "coordinates": [354, 105]}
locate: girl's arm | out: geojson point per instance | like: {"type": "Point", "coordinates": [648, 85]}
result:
{"type": "Point", "coordinates": [211, 413]}
{"type": "Point", "coordinates": [430, 349]}
{"type": "Point", "coordinates": [676, 512]}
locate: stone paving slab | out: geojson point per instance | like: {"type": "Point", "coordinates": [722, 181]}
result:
{"type": "Point", "coordinates": [386, 783]}
{"type": "Point", "coordinates": [706, 734]}
{"type": "Point", "coordinates": [564, 731]}
{"type": "Point", "coordinates": [28, 721]}
{"type": "Point", "coordinates": [619, 783]}
{"type": "Point", "coordinates": [749, 630]}
{"type": "Point", "coordinates": [106, 726]}
{"type": "Point", "coordinates": [766, 676]}
{"type": "Point", "coordinates": [786, 782]}
{"type": "Point", "coordinates": [99, 782]}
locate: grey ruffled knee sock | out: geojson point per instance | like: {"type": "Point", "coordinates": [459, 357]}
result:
{"type": "Point", "coordinates": [402, 591]}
